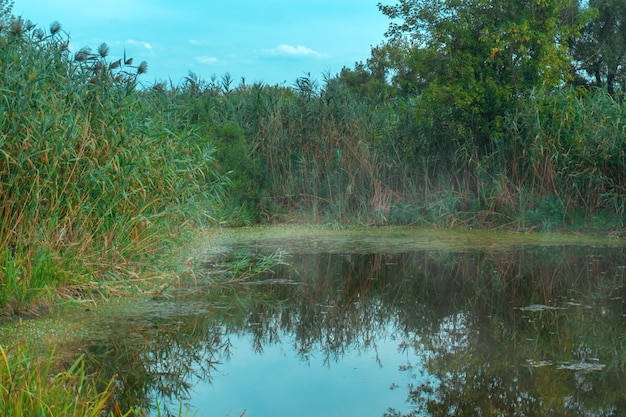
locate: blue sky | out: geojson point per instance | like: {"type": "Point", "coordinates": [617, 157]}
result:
{"type": "Point", "coordinates": [272, 41]}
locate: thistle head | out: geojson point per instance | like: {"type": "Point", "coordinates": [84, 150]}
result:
{"type": "Point", "coordinates": [55, 27]}
{"type": "Point", "coordinates": [103, 50]}
{"type": "Point", "coordinates": [17, 27]}
{"type": "Point", "coordinates": [83, 54]}
{"type": "Point", "coordinates": [142, 68]}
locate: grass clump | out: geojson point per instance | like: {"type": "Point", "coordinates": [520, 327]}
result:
{"type": "Point", "coordinates": [30, 387]}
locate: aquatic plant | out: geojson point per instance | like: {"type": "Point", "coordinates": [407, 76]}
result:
{"type": "Point", "coordinates": [32, 385]}
{"type": "Point", "coordinates": [245, 268]}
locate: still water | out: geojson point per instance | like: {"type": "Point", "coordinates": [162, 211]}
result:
{"type": "Point", "coordinates": [390, 323]}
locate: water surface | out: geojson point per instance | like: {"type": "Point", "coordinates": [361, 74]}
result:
{"type": "Point", "coordinates": [378, 322]}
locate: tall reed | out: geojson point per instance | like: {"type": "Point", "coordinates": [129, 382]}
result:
{"type": "Point", "coordinates": [573, 151]}
{"type": "Point", "coordinates": [96, 176]}
{"type": "Point", "coordinates": [30, 387]}
{"type": "Point", "coordinates": [327, 152]}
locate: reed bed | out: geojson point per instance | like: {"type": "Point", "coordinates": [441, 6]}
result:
{"type": "Point", "coordinates": [96, 177]}
{"type": "Point", "coordinates": [328, 153]}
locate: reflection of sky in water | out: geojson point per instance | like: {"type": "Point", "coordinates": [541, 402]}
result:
{"type": "Point", "coordinates": [278, 382]}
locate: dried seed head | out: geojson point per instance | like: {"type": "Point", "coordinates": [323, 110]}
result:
{"type": "Point", "coordinates": [129, 61]}
{"type": "Point", "coordinates": [115, 64]}
{"type": "Point", "coordinates": [159, 87]}
{"type": "Point", "coordinates": [39, 33]}
{"type": "Point", "coordinates": [143, 68]}
{"type": "Point", "coordinates": [17, 27]}
{"type": "Point", "coordinates": [83, 54]}
{"type": "Point", "coordinates": [55, 27]}
{"type": "Point", "coordinates": [103, 50]}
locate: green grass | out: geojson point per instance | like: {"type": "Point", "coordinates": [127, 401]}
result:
{"type": "Point", "coordinates": [31, 387]}
{"type": "Point", "coordinates": [323, 152]}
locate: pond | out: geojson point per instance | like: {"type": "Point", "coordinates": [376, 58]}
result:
{"type": "Point", "coordinates": [373, 322]}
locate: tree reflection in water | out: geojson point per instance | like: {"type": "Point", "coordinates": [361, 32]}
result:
{"type": "Point", "coordinates": [528, 331]}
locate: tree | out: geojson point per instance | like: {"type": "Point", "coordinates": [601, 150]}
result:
{"type": "Point", "coordinates": [601, 50]}
{"type": "Point", "coordinates": [472, 59]}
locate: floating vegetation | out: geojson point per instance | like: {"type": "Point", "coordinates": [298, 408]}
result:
{"type": "Point", "coordinates": [538, 363]}
{"type": "Point", "coordinates": [538, 308]}
{"type": "Point", "coordinates": [582, 366]}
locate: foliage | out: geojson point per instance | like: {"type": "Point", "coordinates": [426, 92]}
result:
{"type": "Point", "coordinates": [325, 153]}
{"type": "Point", "coordinates": [577, 153]}
{"type": "Point", "coordinates": [600, 51]}
{"type": "Point", "coordinates": [471, 59]}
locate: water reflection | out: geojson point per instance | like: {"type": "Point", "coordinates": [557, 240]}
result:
{"type": "Point", "coordinates": [523, 331]}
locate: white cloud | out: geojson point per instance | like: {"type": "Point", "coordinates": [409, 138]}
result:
{"type": "Point", "coordinates": [208, 60]}
{"type": "Point", "coordinates": [142, 44]}
{"type": "Point", "coordinates": [293, 51]}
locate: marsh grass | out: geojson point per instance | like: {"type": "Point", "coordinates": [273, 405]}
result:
{"type": "Point", "coordinates": [97, 179]}
{"type": "Point", "coordinates": [31, 387]}
{"type": "Point", "coordinates": [246, 268]}
{"type": "Point", "coordinates": [322, 152]}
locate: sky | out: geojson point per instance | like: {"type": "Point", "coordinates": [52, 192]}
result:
{"type": "Point", "coordinates": [271, 41]}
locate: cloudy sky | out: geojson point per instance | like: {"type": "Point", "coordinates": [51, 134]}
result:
{"type": "Point", "coordinates": [272, 41]}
